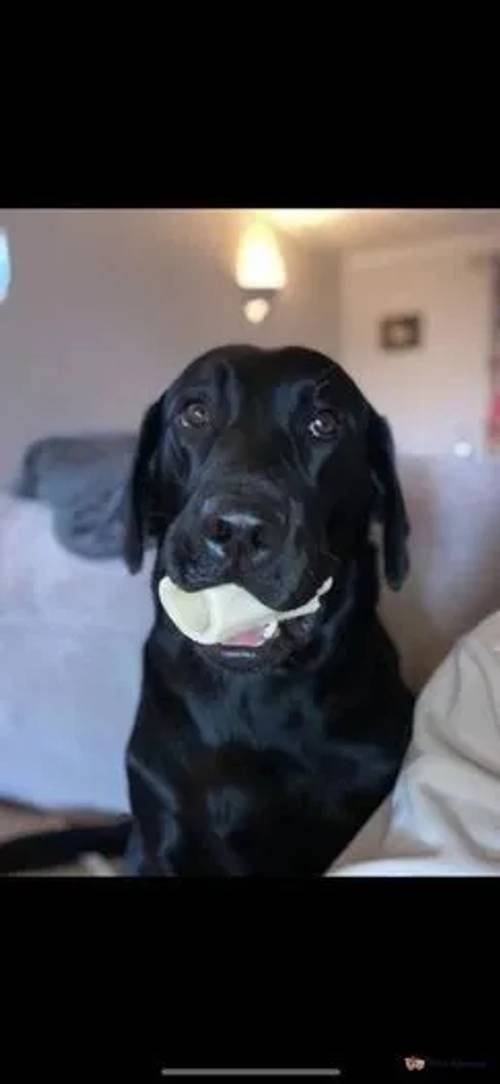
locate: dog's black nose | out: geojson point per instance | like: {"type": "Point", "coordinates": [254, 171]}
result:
{"type": "Point", "coordinates": [233, 531]}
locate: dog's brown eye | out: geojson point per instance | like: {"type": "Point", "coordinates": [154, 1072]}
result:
{"type": "Point", "coordinates": [195, 416]}
{"type": "Point", "coordinates": [325, 426]}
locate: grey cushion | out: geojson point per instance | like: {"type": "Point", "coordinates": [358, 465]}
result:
{"type": "Point", "coordinates": [82, 479]}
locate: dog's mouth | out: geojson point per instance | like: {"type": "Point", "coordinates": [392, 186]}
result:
{"type": "Point", "coordinates": [229, 624]}
{"type": "Point", "coordinates": [262, 646]}
{"type": "Point", "coordinates": [252, 638]}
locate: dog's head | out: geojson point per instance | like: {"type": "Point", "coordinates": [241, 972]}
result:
{"type": "Point", "coordinates": [264, 468]}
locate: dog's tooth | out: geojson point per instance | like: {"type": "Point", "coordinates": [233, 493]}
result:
{"type": "Point", "coordinates": [269, 630]}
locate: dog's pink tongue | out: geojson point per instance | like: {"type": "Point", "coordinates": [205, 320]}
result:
{"type": "Point", "coordinates": [247, 638]}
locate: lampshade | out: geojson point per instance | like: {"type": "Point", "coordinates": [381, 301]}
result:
{"type": "Point", "coordinates": [260, 265]}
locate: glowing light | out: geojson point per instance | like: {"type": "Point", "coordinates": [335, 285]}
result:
{"type": "Point", "coordinates": [256, 309]}
{"type": "Point", "coordinates": [5, 269]}
{"type": "Point", "coordinates": [463, 449]}
{"type": "Point", "coordinates": [260, 265]}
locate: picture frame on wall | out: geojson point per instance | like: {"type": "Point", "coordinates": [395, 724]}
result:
{"type": "Point", "coordinates": [402, 332]}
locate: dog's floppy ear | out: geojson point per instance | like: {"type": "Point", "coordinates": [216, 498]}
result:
{"type": "Point", "coordinates": [390, 507]}
{"type": "Point", "coordinates": [139, 491]}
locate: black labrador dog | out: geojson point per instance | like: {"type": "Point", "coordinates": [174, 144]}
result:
{"type": "Point", "coordinates": [265, 468]}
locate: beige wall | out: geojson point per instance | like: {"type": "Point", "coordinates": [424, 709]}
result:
{"type": "Point", "coordinates": [107, 307]}
{"type": "Point", "coordinates": [437, 394]}
{"type": "Point", "coordinates": [433, 396]}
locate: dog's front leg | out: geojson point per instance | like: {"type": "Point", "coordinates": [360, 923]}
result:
{"type": "Point", "coordinates": [155, 828]}
{"type": "Point", "coordinates": [137, 863]}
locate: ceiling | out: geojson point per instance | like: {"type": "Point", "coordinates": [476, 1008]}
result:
{"type": "Point", "coordinates": [326, 231]}
{"type": "Point", "coordinates": [344, 229]}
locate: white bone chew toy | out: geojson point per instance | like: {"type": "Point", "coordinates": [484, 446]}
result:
{"type": "Point", "coordinates": [222, 614]}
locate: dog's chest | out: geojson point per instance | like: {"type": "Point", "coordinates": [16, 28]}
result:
{"type": "Point", "coordinates": [259, 718]}
{"type": "Point", "coordinates": [265, 749]}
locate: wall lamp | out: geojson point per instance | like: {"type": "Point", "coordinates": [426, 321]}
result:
{"type": "Point", "coordinates": [260, 271]}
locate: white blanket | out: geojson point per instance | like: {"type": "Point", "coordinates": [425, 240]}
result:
{"type": "Point", "coordinates": [71, 634]}
{"type": "Point", "coordinates": [443, 817]}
